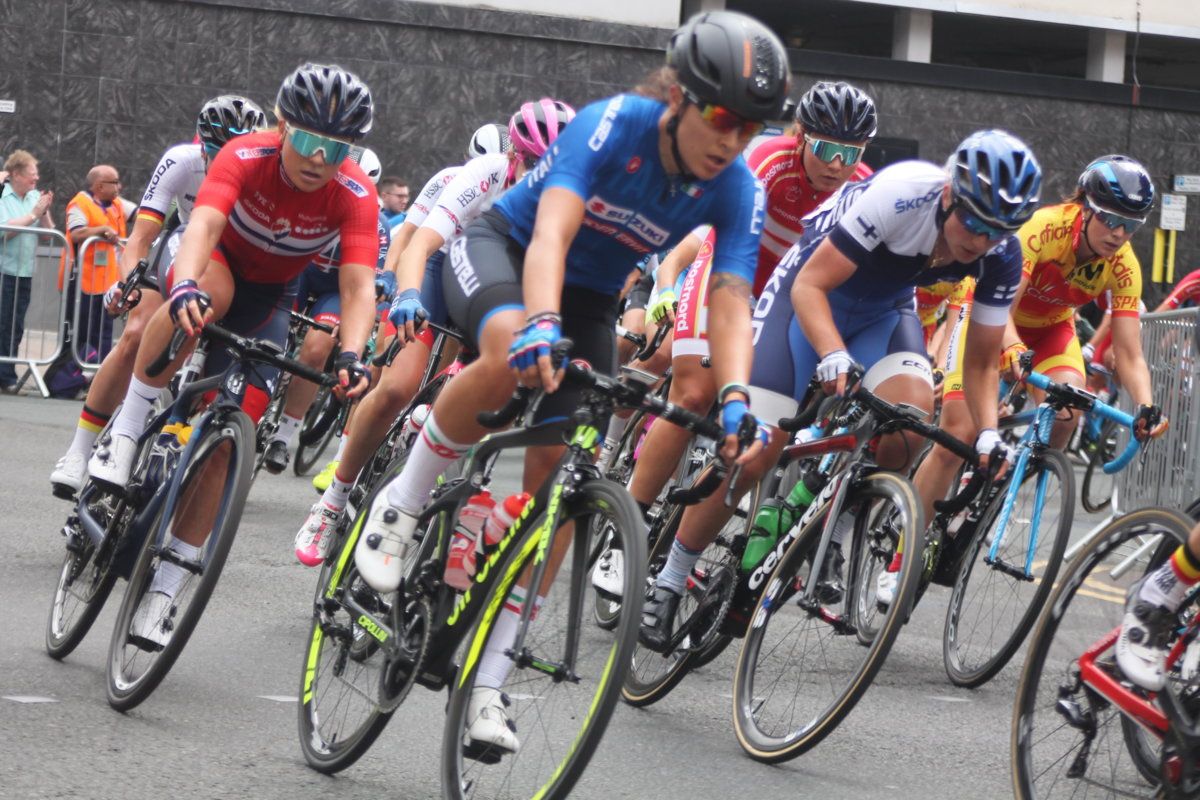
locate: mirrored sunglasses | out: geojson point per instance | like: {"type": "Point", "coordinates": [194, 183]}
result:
{"type": "Point", "coordinates": [307, 144]}
{"type": "Point", "coordinates": [827, 150]}
{"type": "Point", "coordinates": [1112, 221]}
{"type": "Point", "coordinates": [977, 226]}
{"type": "Point", "coordinates": [723, 120]}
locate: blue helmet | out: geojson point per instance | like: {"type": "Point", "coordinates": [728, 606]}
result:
{"type": "Point", "coordinates": [1118, 184]}
{"type": "Point", "coordinates": [326, 99]}
{"type": "Point", "coordinates": [995, 175]}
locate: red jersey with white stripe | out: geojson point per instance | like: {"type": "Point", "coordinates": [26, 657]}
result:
{"type": "Point", "coordinates": [274, 229]}
{"type": "Point", "coordinates": [1186, 291]}
{"type": "Point", "coordinates": [777, 162]}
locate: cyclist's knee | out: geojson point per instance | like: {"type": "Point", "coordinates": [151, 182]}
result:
{"type": "Point", "coordinates": [692, 394]}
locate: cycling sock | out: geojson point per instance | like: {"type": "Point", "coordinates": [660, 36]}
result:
{"type": "Point", "coordinates": [680, 563]}
{"type": "Point", "coordinates": [495, 664]}
{"type": "Point", "coordinates": [337, 494]}
{"type": "Point", "coordinates": [616, 427]}
{"type": "Point", "coordinates": [88, 428]}
{"type": "Point", "coordinates": [131, 419]}
{"type": "Point", "coordinates": [170, 577]}
{"type": "Point", "coordinates": [1170, 583]}
{"type": "Point", "coordinates": [431, 453]}
{"type": "Point", "coordinates": [343, 440]}
{"type": "Point", "coordinates": [288, 425]}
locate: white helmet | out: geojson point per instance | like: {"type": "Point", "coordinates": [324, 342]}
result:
{"type": "Point", "coordinates": [370, 163]}
{"type": "Point", "coordinates": [491, 139]}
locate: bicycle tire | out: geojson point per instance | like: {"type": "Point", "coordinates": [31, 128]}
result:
{"type": "Point", "coordinates": [1099, 611]}
{"type": "Point", "coordinates": [236, 428]}
{"type": "Point", "coordinates": [1096, 491]}
{"type": "Point", "coordinates": [316, 434]}
{"type": "Point", "coordinates": [93, 564]}
{"type": "Point", "coordinates": [769, 746]}
{"type": "Point", "coordinates": [607, 655]}
{"type": "Point", "coordinates": [970, 669]}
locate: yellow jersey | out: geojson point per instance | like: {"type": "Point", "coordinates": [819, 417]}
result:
{"type": "Point", "coordinates": [1057, 285]}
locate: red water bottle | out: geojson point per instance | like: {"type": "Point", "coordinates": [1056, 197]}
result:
{"type": "Point", "coordinates": [460, 562]}
{"type": "Point", "coordinates": [502, 517]}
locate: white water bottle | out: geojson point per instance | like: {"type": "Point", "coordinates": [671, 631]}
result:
{"type": "Point", "coordinates": [956, 523]}
{"type": "Point", "coordinates": [460, 562]}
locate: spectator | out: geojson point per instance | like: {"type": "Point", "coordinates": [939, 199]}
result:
{"type": "Point", "coordinates": [393, 193]}
{"type": "Point", "coordinates": [97, 211]}
{"type": "Point", "coordinates": [21, 205]}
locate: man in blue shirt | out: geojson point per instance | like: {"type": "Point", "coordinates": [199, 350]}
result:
{"type": "Point", "coordinates": [21, 205]}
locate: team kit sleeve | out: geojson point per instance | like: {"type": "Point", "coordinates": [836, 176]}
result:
{"type": "Point", "coordinates": [738, 226]}
{"type": "Point", "coordinates": [1125, 282]}
{"type": "Point", "coordinates": [582, 149]}
{"type": "Point", "coordinates": [1186, 290]}
{"type": "Point", "coordinates": [419, 209]}
{"type": "Point", "coordinates": [463, 198]}
{"type": "Point", "coordinates": [997, 284]}
{"type": "Point", "coordinates": [223, 184]}
{"type": "Point", "coordinates": [867, 223]}
{"type": "Point", "coordinates": [164, 186]}
{"type": "Point", "coordinates": [359, 230]}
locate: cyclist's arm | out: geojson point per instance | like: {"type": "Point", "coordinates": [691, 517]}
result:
{"type": "Point", "coordinates": [410, 265]}
{"type": "Point", "coordinates": [137, 246]}
{"type": "Point", "coordinates": [677, 261]}
{"type": "Point", "coordinates": [356, 285]}
{"type": "Point", "coordinates": [981, 379]}
{"type": "Point", "coordinates": [1011, 336]}
{"type": "Point", "coordinates": [559, 215]}
{"type": "Point", "coordinates": [396, 250]}
{"type": "Point", "coordinates": [1127, 342]}
{"type": "Point", "coordinates": [827, 268]}
{"type": "Point", "coordinates": [199, 239]}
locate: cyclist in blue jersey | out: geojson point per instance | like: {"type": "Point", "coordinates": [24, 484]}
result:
{"type": "Point", "coordinates": [628, 177]}
{"type": "Point", "coordinates": [845, 294]}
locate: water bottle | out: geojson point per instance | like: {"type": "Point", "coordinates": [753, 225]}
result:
{"type": "Point", "coordinates": [502, 516]}
{"type": "Point", "coordinates": [414, 422]}
{"type": "Point", "coordinates": [775, 517]}
{"type": "Point", "coordinates": [460, 563]}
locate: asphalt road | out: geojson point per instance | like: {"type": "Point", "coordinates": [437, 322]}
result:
{"type": "Point", "coordinates": [223, 723]}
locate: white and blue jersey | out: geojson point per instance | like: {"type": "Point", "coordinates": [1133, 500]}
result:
{"type": "Point", "coordinates": [609, 156]}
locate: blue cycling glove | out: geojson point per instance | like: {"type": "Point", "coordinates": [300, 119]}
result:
{"type": "Point", "coordinates": [534, 340]}
{"type": "Point", "coordinates": [406, 307]}
{"type": "Point", "coordinates": [385, 284]}
{"type": "Point", "coordinates": [732, 414]}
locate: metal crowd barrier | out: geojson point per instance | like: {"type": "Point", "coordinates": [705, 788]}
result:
{"type": "Point", "coordinates": [93, 331]}
{"type": "Point", "coordinates": [1167, 472]}
{"type": "Point", "coordinates": [43, 318]}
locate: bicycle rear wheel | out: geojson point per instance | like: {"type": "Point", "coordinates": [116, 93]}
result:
{"type": "Point", "coordinates": [1097, 490]}
{"type": "Point", "coordinates": [135, 665]}
{"type": "Point", "coordinates": [801, 669]}
{"type": "Point", "coordinates": [993, 606]}
{"type": "Point", "coordinates": [1067, 741]}
{"type": "Point", "coordinates": [559, 721]}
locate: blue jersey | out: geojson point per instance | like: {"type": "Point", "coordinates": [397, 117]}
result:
{"type": "Point", "coordinates": [608, 156]}
{"type": "Point", "coordinates": [887, 225]}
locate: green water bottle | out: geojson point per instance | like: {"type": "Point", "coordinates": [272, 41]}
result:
{"type": "Point", "coordinates": [775, 517]}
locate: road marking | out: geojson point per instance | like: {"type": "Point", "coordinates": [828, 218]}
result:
{"type": "Point", "coordinates": [946, 698]}
{"type": "Point", "coordinates": [279, 698]}
{"type": "Point", "coordinates": [29, 698]}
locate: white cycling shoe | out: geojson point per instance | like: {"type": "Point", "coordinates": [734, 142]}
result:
{"type": "Point", "coordinates": [608, 576]}
{"type": "Point", "coordinates": [1142, 645]}
{"type": "Point", "coordinates": [315, 537]}
{"type": "Point", "coordinates": [885, 588]}
{"type": "Point", "coordinates": [382, 543]}
{"type": "Point", "coordinates": [69, 474]}
{"type": "Point", "coordinates": [112, 463]}
{"type": "Point", "coordinates": [487, 720]}
{"type": "Point", "coordinates": [151, 626]}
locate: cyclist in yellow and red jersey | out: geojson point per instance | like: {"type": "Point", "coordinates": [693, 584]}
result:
{"type": "Point", "coordinates": [834, 124]}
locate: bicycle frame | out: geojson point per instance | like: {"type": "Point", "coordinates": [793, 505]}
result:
{"type": "Point", "coordinates": [1035, 439]}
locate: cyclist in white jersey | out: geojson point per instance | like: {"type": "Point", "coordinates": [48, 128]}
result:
{"type": "Point", "coordinates": [475, 186]}
{"type": "Point", "coordinates": [176, 179]}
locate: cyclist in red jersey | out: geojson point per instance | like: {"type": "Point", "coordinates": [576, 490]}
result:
{"type": "Point", "coordinates": [270, 202]}
{"type": "Point", "coordinates": [834, 124]}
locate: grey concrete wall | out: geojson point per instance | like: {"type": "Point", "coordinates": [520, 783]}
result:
{"type": "Point", "coordinates": [119, 80]}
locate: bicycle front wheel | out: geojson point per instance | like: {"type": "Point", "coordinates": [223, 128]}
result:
{"type": "Point", "coordinates": [1067, 741]}
{"type": "Point", "coordinates": [86, 577]}
{"type": "Point", "coordinates": [206, 497]}
{"type": "Point", "coordinates": [802, 669]}
{"type": "Point", "coordinates": [562, 687]}
{"type": "Point", "coordinates": [996, 601]}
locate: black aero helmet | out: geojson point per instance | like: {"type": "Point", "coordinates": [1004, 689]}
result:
{"type": "Point", "coordinates": [838, 111]}
{"type": "Point", "coordinates": [225, 117]}
{"type": "Point", "coordinates": [734, 61]}
{"type": "Point", "coordinates": [1118, 184]}
{"type": "Point", "coordinates": [326, 99]}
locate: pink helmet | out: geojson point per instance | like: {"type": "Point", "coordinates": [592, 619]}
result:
{"type": "Point", "coordinates": [536, 125]}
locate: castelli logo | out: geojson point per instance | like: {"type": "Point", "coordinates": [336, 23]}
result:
{"type": "Point", "coordinates": [634, 165]}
